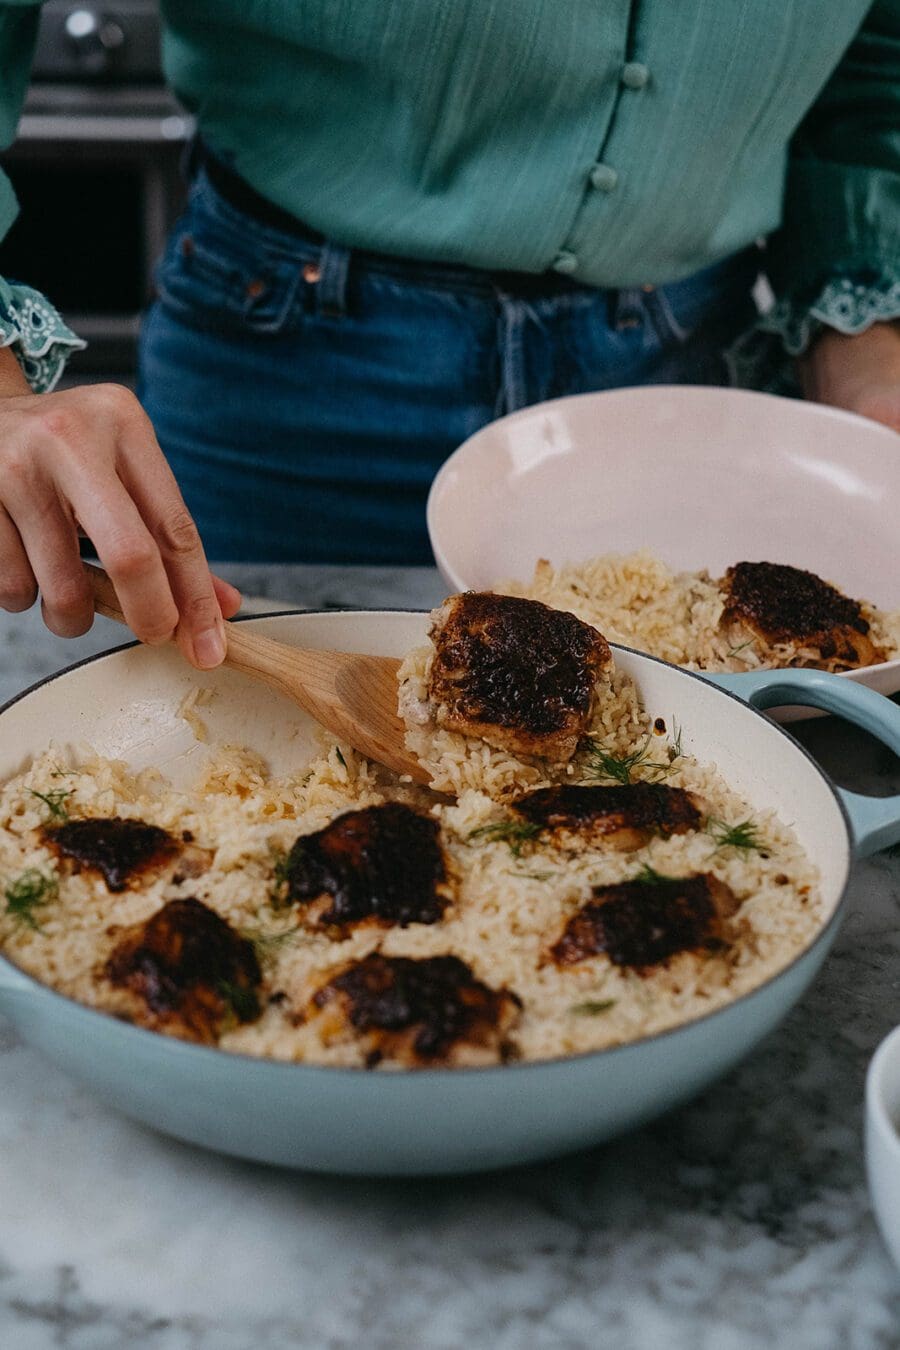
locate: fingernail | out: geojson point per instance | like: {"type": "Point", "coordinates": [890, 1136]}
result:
{"type": "Point", "coordinates": [209, 648]}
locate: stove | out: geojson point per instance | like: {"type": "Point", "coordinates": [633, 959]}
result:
{"type": "Point", "coordinates": [114, 43]}
{"type": "Point", "coordinates": [96, 168]}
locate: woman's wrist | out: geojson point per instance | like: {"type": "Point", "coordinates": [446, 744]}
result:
{"type": "Point", "coordinates": [858, 371]}
{"type": "Point", "coordinates": [12, 379]}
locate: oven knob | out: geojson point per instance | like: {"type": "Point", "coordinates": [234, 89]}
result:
{"type": "Point", "coordinates": [94, 38]}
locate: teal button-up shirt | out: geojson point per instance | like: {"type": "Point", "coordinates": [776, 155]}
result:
{"type": "Point", "coordinates": [620, 142]}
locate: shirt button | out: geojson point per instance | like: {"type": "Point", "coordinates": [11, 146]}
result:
{"type": "Point", "coordinates": [565, 262]}
{"type": "Point", "coordinates": [604, 177]}
{"type": "Point", "coordinates": [634, 75]}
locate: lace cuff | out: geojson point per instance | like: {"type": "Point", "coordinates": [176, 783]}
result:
{"type": "Point", "coordinates": [850, 304]}
{"type": "Point", "coordinates": [35, 331]}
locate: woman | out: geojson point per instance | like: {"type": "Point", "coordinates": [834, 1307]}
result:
{"type": "Point", "coordinates": [408, 218]}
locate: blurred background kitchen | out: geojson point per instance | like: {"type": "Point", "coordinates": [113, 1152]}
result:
{"type": "Point", "coordinates": [96, 171]}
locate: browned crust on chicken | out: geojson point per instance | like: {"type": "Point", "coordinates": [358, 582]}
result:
{"type": "Point", "coordinates": [123, 851]}
{"type": "Point", "coordinates": [642, 923]}
{"type": "Point", "coordinates": [515, 673]}
{"type": "Point", "coordinates": [190, 973]}
{"type": "Point", "coordinates": [782, 605]}
{"type": "Point", "coordinates": [415, 1012]}
{"type": "Point", "coordinates": [118, 849]}
{"type": "Point", "coordinates": [382, 862]}
{"type": "Point", "coordinates": [624, 817]}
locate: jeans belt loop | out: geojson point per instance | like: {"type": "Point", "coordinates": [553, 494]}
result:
{"type": "Point", "coordinates": [626, 308]}
{"type": "Point", "coordinates": [331, 286]}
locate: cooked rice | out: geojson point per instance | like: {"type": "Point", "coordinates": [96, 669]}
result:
{"type": "Point", "coordinates": [195, 698]}
{"type": "Point", "coordinates": [635, 599]}
{"type": "Point", "coordinates": [511, 906]}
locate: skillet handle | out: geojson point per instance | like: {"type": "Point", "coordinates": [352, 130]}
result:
{"type": "Point", "coordinates": [875, 820]}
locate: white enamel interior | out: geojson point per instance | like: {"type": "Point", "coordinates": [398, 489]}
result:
{"type": "Point", "coordinates": [883, 1139]}
{"type": "Point", "coordinates": [704, 477]}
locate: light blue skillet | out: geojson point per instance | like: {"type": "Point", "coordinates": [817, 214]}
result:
{"type": "Point", "coordinates": [125, 704]}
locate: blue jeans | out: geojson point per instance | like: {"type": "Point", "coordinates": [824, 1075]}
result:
{"type": "Point", "coordinates": [306, 394]}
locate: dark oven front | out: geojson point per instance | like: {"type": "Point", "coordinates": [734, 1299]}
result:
{"type": "Point", "coordinates": [97, 170]}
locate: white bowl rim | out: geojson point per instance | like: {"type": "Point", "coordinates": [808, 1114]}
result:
{"type": "Point", "coordinates": [885, 1064]}
{"type": "Point", "coordinates": [172, 1046]}
{"type": "Point", "coordinates": [690, 390]}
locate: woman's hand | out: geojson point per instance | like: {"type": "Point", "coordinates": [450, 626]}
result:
{"type": "Point", "coordinates": [859, 372]}
{"type": "Point", "coordinates": [87, 458]}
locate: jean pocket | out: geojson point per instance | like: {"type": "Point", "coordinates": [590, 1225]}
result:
{"type": "Point", "coordinates": [213, 281]}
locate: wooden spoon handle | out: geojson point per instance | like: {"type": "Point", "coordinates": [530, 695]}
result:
{"type": "Point", "coordinates": [353, 696]}
{"type": "Point", "coordinates": [106, 602]}
{"type": "Point", "coordinates": [284, 668]}
{"type": "Point", "coordinates": [292, 670]}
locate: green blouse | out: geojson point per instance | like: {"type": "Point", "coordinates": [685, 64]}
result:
{"type": "Point", "coordinates": [620, 142]}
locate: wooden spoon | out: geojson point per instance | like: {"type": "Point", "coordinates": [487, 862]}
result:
{"type": "Point", "coordinates": [350, 695]}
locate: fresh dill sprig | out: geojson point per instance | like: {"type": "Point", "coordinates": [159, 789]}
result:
{"type": "Point", "coordinates": [266, 944]}
{"type": "Point", "coordinates": [55, 802]}
{"type": "Point", "coordinates": [280, 877]}
{"type": "Point", "coordinates": [516, 833]}
{"type": "Point", "coordinates": [29, 892]}
{"type": "Point", "coordinates": [593, 1007]}
{"type": "Point", "coordinates": [601, 763]}
{"type": "Point", "coordinates": [743, 836]}
{"type": "Point", "coordinates": [733, 651]}
{"type": "Point", "coordinates": [261, 939]}
{"type": "Point", "coordinates": [650, 876]}
{"type": "Point", "coordinates": [241, 1002]}
{"type": "Point", "coordinates": [675, 747]}
{"type": "Point", "coordinates": [341, 760]}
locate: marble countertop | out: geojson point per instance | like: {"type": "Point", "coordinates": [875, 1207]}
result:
{"type": "Point", "coordinates": [739, 1222]}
